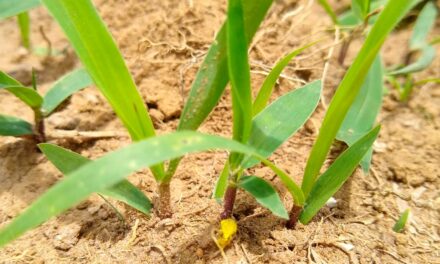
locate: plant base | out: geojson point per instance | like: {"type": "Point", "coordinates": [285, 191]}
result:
{"type": "Point", "coordinates": [293, 216]}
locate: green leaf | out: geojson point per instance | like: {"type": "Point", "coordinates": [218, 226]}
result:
{"type": "Point", "coordinates": [266, 89]}
{"type": "Point", "coordinates": [265, 194]}
{"type": "Point", "coordinates": [350, 85]}
{"type": "Point", "coordinates": [348, 18]}
{"type": "Point", "coordinates": [9, 8]}
{"type": "Point", "coordinates": [222, 183]}
{"type": "Point", "coordinates": [12, 126]}
{"type": "Point", "coordinates": [25, 26]}
{"type": "Point", "coordinates": [239, 74]}
{"type": "Point", "coordinates": [212, 77]}
{"type": "Point", "coordinates": [65, 87]}
{"type": "Point", "coordinates": [280, 120]}
{"type": "Point", "coordinates": [360, 8]}
{"type": "Point", "coordinates": [335, 176]}
{"type": "Point", "coordinates": [28, 95]}
{"type": "Point", "coordinates": [6, 80]}
{"type": "Point", "coordinates": [110, 169]}
{"type": "Point", "coordinates": [67, 162]}
{"type": "Point", "coordinates": [425, 22]}
{"type": "Point", "coordinates": [103, 61]}
{"type": "Point", "coordinates": [329, 10]}
{"type": "Point", "coordinates": [401, 222]}
{"type": "Point", "coordinates": [425, 59]}
{"type": "Point", "coordinates": [363, 113]}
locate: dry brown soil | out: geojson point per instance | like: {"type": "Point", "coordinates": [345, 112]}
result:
{"type": "Point", "coordinates": [163, 43]}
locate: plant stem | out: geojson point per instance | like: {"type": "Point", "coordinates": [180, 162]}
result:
{"type": "Point", "coordinates": [40, 134]}
{"type": "Point", "coordinates": [293, 216]}
{"type": "Point", "coordinates": [164, 208]}
{"type": "Point", "coordinates": [229, 200]}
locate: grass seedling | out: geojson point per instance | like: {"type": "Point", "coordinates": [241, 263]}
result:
{"type": "Point", "coordinates": [401, 222]}
{"type": "Point", "coordinates": [42, 106]}
{"type": "Point", "coordinates": [420, 46]}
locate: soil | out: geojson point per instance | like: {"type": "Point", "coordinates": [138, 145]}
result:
{"type": "Point", "coordinates": [164, 43]}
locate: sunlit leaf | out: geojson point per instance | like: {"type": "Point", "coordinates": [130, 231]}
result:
{"type": "Point", "coordinates": [67, 162]}
{"type": "Point", "coordinates": [25, 29]}
{"type": "Point", "coordinates": [100, 56]}
{"type": "Point", "coordinates": [107, 171]}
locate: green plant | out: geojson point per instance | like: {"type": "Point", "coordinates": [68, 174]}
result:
{"type": "Point", "coordinates": [42, 106]}
{"type": "Point", "coordinates": [401, 222]}
{"type": "Point", "coordinates": [254, 137]}
{"type": "Point", "coordinates": [419, 45]}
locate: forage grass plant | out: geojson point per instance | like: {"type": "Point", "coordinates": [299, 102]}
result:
{"type": "Point", "coordinates": [257, 130]}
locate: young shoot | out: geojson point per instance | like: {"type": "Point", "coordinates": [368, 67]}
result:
{"type": "Point", "coordinates": [42, 106]}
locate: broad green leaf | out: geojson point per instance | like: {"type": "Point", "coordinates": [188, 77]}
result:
{"type": "Point", "coordinates": [110, 169]}
{"type": "Point", "coordinates": [65, 87]}
{"type": "Point", "coordinates": [67, 162]}
{"type": "Point", "coordinates": [100, 56]}
{"type": "Point", "coordinates": [239, 74]}
{"type": "Point", "coordinates": [12, 126]}
{"type": "Point", "coordinates": [329, 10]}
{"type": "Point", "coordinates": [350, 85]}
{"type": "Point", "coordinates": [363, 113]}
{"type": "Point", "coordinates": [425, 59]}
{"type": "Point", "coordinates": [335, 176]}
{"type": "Point", "coordinates": [265, 194]}
{"type": "Point", "coordinates": [401, 222]}
{"type": "Point", "coordinates": [28, 95]}
{"type": "Point", "coordinates": [9, 8]}
{"type": "Point", "coordinates": [212, 77]}
{"type": "Point", "coordinates": [25, 29]}
{"type": "Point", "coordinates": [222, 183]}
{"type": "Point", "coordinates": [360, 8]}
{"type": "Point", "coordinates": [425, 22]}
{"type": "Point", "coordinates": [280, 120]}
{"type": "Point", "coordinates": [266, 89]}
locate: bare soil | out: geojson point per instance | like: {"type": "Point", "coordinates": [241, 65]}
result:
{"type": "Point", "coordinates": [164, 43]}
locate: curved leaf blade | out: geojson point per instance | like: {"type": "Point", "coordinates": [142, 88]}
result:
{"type": "Point", "coordinates": [266, 89]}
{"type": "Point", "coordinates": [335, 176]}
{"type": "Point", "coordinates": [427, 56]}
{"type": "Point", "coordinates": [100, 56]}
{"type": "Point", "coordinates": [280, 120]}
{"type": "Point", "coordinates": [9, 8]}
{"type": "Point", "coordinates": [222, 183]}
{"type": "Point", "coordinates": [114, 167]}
{"type": "Point", "coordinates": [12, 126]}
{"type": "Point", "coordinates": [265, 194]}
{"type": "Point", "coordinates": [67, 162]}
{"type": "Point", "coordinates": [65, 87]}
{"type": "Point", "coordinates": [350, 86]}
{"type": "Point", "coordinates": [401, 222]}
